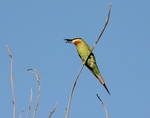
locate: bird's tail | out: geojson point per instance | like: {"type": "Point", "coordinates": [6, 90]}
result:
{"type": "Point", "coordinates": [100, 78]}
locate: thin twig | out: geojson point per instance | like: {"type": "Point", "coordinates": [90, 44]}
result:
{"type": "Point", "coordinates": [29, 107]}
{"type": "Point", "coordinates": [74, 84]}
{"type": "Point", "coordinates": [12, 82]}
{"type": "Point", "coordinates": [53, 110]}
{"type": "Point", "coordinates": [72, 90]}
{"type": "Point", "coordinates": [106, 112]}
{"type": "Point", "coordinates": [21, 113]}
{"type": "Point", "coordinates": [38, 97]}
{"type": "Point", "coordinates": [107, 20]}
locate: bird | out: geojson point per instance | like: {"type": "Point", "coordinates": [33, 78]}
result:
{"type": "Point", "coordinates": [83, 50]}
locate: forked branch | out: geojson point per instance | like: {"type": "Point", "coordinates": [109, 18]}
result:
{"type": "Point", "coordinates": [74, 84]}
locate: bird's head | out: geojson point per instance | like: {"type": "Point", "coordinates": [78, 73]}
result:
{"type": "Point", "coordinates": [75, 41]}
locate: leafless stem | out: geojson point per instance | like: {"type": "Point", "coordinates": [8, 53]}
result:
{"type": "Point", "coordinates": [29, 107]}
{"type": "Point", "coordinates": [74, 84]}
{"type": "Point", "coordinates": [12, 82]}
{"type": "Point", "coordinates": [38, 97]}
{"type": "Point", "coordinates": [72, 90]}
{"type": "Point", "coordinates": [107, 20]}
{"type": "Point", "coordinates": [106, 112]}
{"type": "Point", "coordinates": [21, 113]}
{"type": "Point", "coordinates": [53, 110]}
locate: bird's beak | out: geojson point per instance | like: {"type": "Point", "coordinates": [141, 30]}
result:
{"type": "Point", "coordinates": [68, 40]}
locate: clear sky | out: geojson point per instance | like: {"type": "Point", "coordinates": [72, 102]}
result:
{"type": "Point", "coordinates": [34, 31]}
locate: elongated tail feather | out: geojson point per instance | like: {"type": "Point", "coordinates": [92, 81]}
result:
{"type": "Point", "coordinates": [106, 89]}
{"type": "Point", "coordinates": [100, 78]}
{"type": "Point", "coordinates": [103, 83]}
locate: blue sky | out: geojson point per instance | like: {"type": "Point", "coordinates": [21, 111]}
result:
{"type": "Point", "coordinates": [34, 31]}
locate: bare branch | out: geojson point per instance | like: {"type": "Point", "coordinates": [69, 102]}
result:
{"type": "Point", "coordinates": [29, 107]}
{"type": "Point", "coordinates": [107, 20]}
{"type": "Point", "coordinates": [53, 110]}
{"type": "Point", "coordinates": [38, 97]}
{"type": "Point", "coordinates": [74, 84]}
{"type": "Point", "coordinates": [12, 82]}
{"type": "Point", "coordinates": [72, 90]}
{"type": "Point", "coordinates": [106, 112]}
{"type": "Point", "coordinates": [21, 113]}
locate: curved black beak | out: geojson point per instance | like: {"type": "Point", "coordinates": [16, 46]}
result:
{"type": "Point", "coordinates": [68, 40]}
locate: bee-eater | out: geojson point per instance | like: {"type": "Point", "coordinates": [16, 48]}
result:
{"type": "Point", "coordinates": [83, 50]}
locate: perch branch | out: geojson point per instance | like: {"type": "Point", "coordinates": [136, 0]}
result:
{"type": "Point", "coordinates": [38, 97]}
{"type": "Point", "coordinates": [12, 82]}
{"type": "Point", "coordinates": [106, 112]}
{"type": "Point", "coordinates": [29, 107]}
{"type": "Point", "coordinates": [53, 110]}
{"type": "Point", "coordinates": [74, 84]}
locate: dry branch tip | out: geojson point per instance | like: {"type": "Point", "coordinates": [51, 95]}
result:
{"type": "Point", "coordinates": [12, 82]}
{"type": "Point", "coordinates": [51, 113]}
{"type": "Point", "coordinates": [39, 90]}
{"type": "Point", "coordinates": [29, 107]}
{"type": "Point", "coordinates": [106, 112]}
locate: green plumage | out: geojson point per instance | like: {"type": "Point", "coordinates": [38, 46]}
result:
{"type": "Point", "coordinates": [83, 51]}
